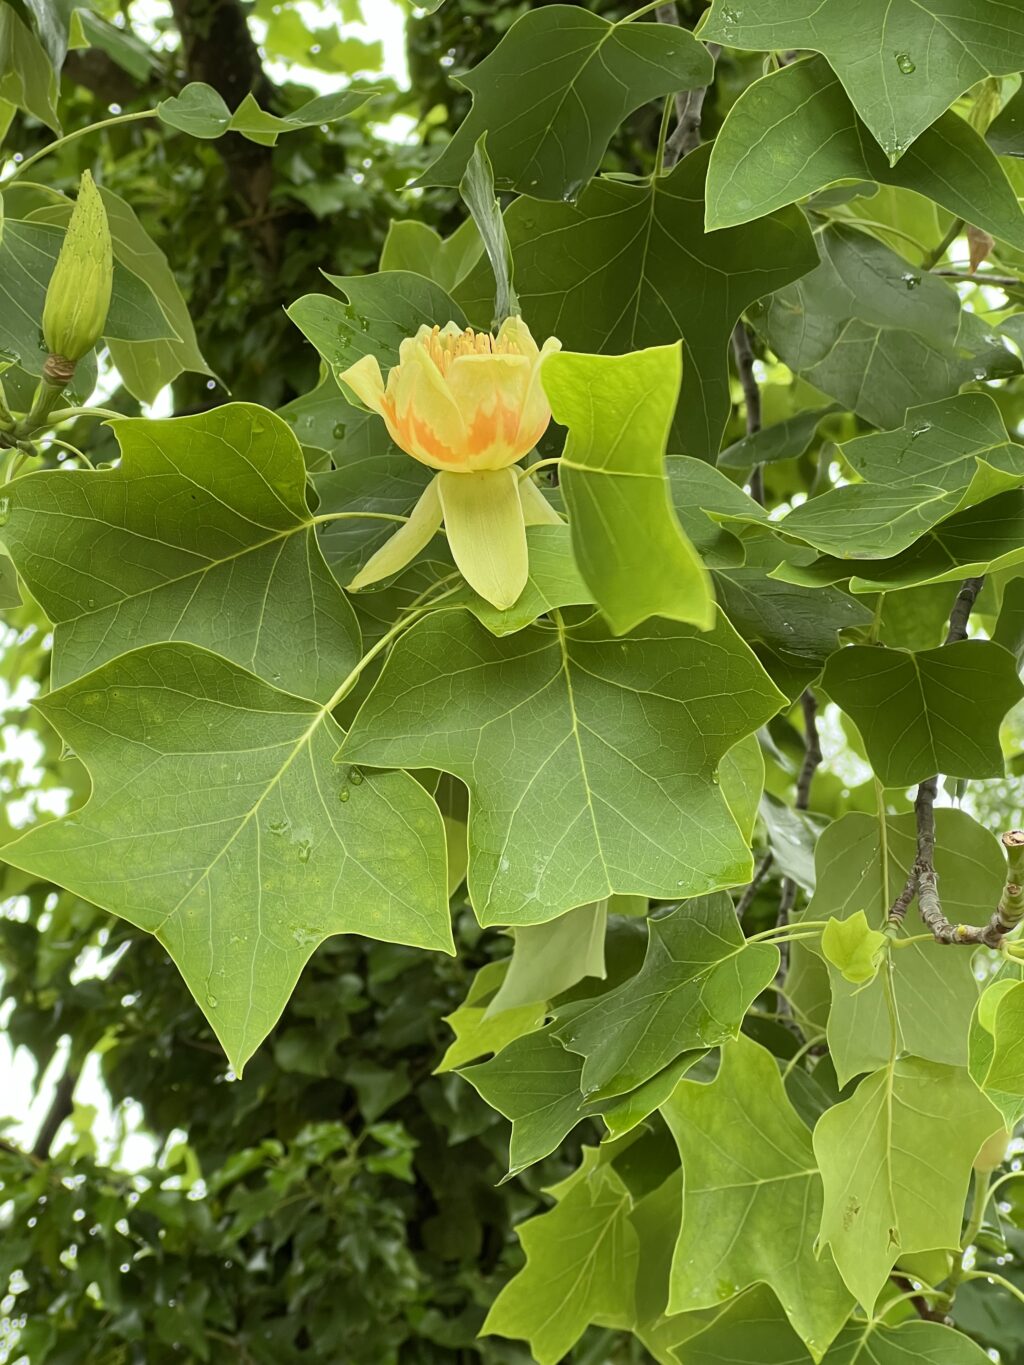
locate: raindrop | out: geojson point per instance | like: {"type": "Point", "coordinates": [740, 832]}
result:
{"type": "Point", "coordinates": [729, 16]}
{"type": "Point", "coordinates": [339, 430]}
{"type": "Point", "coordinates": [905, 64]}
{"type": "Point", "coordinates": [212, 1001]}
{"type": "Point", "coordinates": [278, 826]}
{"type": "Point", "coordinates": [344, 794]}
{"type": "Point", "coordinates": [5, 511]}
{"type": "Point", "coordinates": [915, 432]}
{"type": "Point", "coordinates": [305, 848]}
{"type": "Point", "coordinates": [355, 776]}
{"type": "Point", "coordinates": [910, 280]}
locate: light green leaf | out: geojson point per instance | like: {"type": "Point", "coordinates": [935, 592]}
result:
{"type": "Point", "coordinates": [896, 1161]}
{"type": "Point", "coordinates": [876, 333]}
{"type": "Point", "coordinates": [535, 1083]}
{"type": "Point", "coordinates": [796, 131]}
{"type": "Point", "coordinates": [697, 981]}
{"type": "Point", "coordinates": [555, 89]}
{"type": "Point", "coordinates": [934, 987]}
{"type": "Point", "coordinates": [200, 111]}
{"type": "Point", "coordinates": [902, 62]}
{"type": "Point", "coordinates": [996, 1058]}
{"type": "Point", "coordinates": [548, 959]}
{"type": "Point", "coordinates": [27, 79]}
{"type": "Point", "coordinates": [609, 745]}
{"type": "Point", "coordinates": [938, 711]}
{"type": "Point", "coordinates": [741, 773]}
{"type": "Point", "coordinates": [217, 822]}
{"type": "Point", "coordinates": [201, 533]}
{"type": "Point", "coordinates": [645, 298]}
{"type": "Point", "coordinates": [946, 457]}
{"type": "Point", "coordinates": [752, 1197]}
{"type": "Point", "coordinates": [853, 947]}
{"type": "Point", "coordinates": [701, 495]}
{"type": "Point", "coordinates": [581, 1265]}
{"type": "Point", "coordinates": [628, 543]}
{"type": "Point", "coordinates": [479, 1031]}
{"type": "Point", "coordinates": [924, 1343]}
{"type": "Point", "coordinates": [382, 310]}
{"type": "Point", "coordinates": [417, 247]}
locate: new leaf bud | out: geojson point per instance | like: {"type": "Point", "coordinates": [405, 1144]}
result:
{"type": "Point", "coordinates": [78, 295]}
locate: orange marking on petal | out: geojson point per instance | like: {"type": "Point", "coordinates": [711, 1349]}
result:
{"type": "Point", "coordinates": [414, 435]}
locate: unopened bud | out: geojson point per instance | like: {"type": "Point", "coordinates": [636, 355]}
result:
{"type": "Point", "coordinates": [78, 295]}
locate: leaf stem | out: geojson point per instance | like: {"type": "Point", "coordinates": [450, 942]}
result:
{"type": "Point", "coordinates": [932, 258]}
{"type": "Point", "coordinates": [326, 517]}
{"type": "Point", "coordinates": [993, 1278]}
{"type": "Point", "coordinates": [68, 414]}
{"type": "Point", "coordinates": [541, 464]}
{"type": "Point", "coordinates": [639, 13]}
{"type": "Point", "coordinates": [70, 137]}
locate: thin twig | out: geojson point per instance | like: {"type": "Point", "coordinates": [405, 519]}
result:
{"type": "Point", "coordinates": [932, 258]}
{"type": "Point", "coordinates": [810, 765]}
{"type": "Point", "coordinates": [760, 872]}
{"type": "Point", "coordinates": [744, 356]}
{"type": "Point", "coordinates": [982, 277]}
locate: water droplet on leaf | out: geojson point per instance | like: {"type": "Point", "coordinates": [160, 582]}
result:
{"type": "Point", "coordinates": [355, 776]}
{"type": "Point", "coordinates": [905, 63]}
{"type": "Point", "coordinates": [910, 280]}
{"type": "Point", "coordinates": [344, 794]}
{"type": "Point", "coordinates": [305, 848]}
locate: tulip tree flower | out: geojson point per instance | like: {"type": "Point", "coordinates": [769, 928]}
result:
{"type": "Point", "coordinates": [469, 405]}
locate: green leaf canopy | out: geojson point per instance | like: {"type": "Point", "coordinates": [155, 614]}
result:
{"type": "Point", "coordinates": [594, 757]}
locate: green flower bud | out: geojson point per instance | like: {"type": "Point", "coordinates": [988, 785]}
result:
{"type": "Point", "coordinates": [78, 295]}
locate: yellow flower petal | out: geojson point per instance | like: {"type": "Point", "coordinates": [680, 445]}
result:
{"type": "Point", "coordinates": [483, 519]}
{"type": "Point", "coordinates": [537, 511]}
{"type": "Point", "coordinates": [490, 391]}
{"type": "Point", "coordinates": [421, 414]}
{"type": "Point", "coordinates": [514, 335]}
{"type": "Point", "coordinates": [403, 547]}
{"type": "Point", "coordinates": [366, 382]}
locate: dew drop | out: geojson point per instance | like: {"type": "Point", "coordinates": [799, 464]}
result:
{"type": "Point", "coordinates": [905, 63]}
{"type": "Point", "coordinates": [344, 794]}
{"type": "Point", "coordinates": [355, 776]}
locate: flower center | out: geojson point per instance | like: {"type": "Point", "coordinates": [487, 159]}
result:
{"type": "Point", "coordinates": [444, 347]}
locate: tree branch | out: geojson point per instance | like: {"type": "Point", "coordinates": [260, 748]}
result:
{"type": "Point", "coordinates": [743, 353]}
{"type": "Point", "coordinates": [923, 880]}
{"type": "Point", "coordinates": [689, 103]}
{"type": "Point", "coordinates": [60, 1108]}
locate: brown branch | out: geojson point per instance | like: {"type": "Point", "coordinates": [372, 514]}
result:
{"type": "Point", "coordinates": [923, 880]}
{"type": "Point", "coordinates": [921, 1305]}
{"type": "Point", "coordinates": [743, 354]}
{"type": "Point", "coordinates": [689, 103]}
{"type": "Point", "coordinates": [61, 1106]}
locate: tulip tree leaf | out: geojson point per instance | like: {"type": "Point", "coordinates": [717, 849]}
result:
{"type": "Point", "coordinates": [875, 333]}
{"type": "Point", "coordinates": [555, 89]}
{"type": "Point", "coordinates": [548, 959]}
{"type": "Point", "coordinates": [382, 310]}
{"type": "Point", "coordinates": [978, 540]}
{"type": "Point", "coordinates": [796, 131]}
{"type": "Point", "coordinates": [995, 1052]}
{"type": "Point", "coordinates": [627, 539]}
{"type": "Point", "coordinates": [217, 822]}
{"type": "Point", "coordinates": [534, 1082]}
{"type": "Point", "coordinates": [632, 237]}
{"type": "Point", "coordinates": [697, 981]}
{"type": "Point", "coordinates": [802, 623]}
{"type": "Point", "coordinates": [1005, 134]}
{"type": "Point", "coordinates": [924, 1343]}
{"type": "Point", "coordinates": [477, 190]}
{"type": "Point", "coordinates": [889, 1189]}
{"type": "Point", "coordinates": [201, 112]}
{"type": "Point", "coordinates": [701, 495]}
{"type": "Point", "coordinates": [27, 80]}
{"type": "Point", "coordinates": [478, 1030]}
{"type": "Point", "coordinates": [786, 440]}
{"type": "Point", "coordinates": [947, 457]}
{"type": "Point", "coordinates": [593, 757]}
{"type": "Point", "coordinates": [902, 62]}
{"type": "Point", "coordinates": [935, 990]}
{"type": "Point", "coordinates": [938, 711]}
{"type": "Point", "coordinates": [752, 1197]}
{"type": "Point", "coordinates": [201, 533]}
{"type": "Point", "coordinates": [853, 948]}
{"type": "Point", "coordinates": [581, 1264]}
{"type": "Point", "coordinates": [553, 581]}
